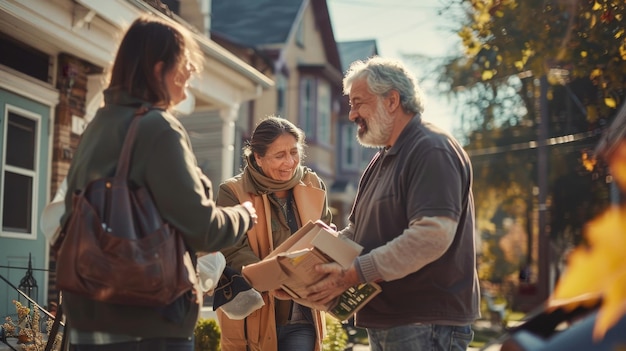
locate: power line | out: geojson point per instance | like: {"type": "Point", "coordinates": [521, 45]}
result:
{"type": "Point", "coordinates": [533, 144]}
{"type": "Point", "coordinates": [383, 4]}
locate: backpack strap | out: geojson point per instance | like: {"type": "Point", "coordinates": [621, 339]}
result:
{"type": "Point", "coordinates": [124, 160]}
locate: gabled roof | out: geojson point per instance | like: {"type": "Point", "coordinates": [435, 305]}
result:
{"type": "Point", "coordinates": [254, 23]}
{"type": "Point", "coordinates": [350, 51]}
{"type": "Point", "coordinates": [263, 24]}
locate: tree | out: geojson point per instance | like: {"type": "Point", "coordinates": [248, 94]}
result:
{"type": "Point", "coordinates": [567, 40]}
{"type": "Point", "coordinates": [580, 47]}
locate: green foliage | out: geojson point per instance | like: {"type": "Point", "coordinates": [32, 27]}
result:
{"type": "Point", "coordinates": [565, 40]}
{"type": "Point", "coordinates": [207, 335]}
{"type": "Point", "coordinates": [580, 47]}
{"type": "Point", "coordinates": [336, 337]}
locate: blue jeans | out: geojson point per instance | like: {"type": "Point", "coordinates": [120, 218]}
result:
{"type": "Point", "coordinates": [156, 344]}
{"type": "Point", "coordinates": [292, 337]}
{"type": "Point", "coordinates": [421, 337]}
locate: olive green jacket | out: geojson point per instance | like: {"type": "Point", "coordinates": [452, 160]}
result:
{"type": "Point", "coordinates": [163, 162]}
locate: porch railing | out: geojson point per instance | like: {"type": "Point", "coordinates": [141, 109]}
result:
{"type": "Point", "coordinates": [3, 336]}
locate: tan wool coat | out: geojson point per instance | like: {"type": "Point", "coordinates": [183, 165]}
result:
{"type": "Point", "coordinates": [258, 330]}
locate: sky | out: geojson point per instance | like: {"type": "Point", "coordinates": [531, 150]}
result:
{"type": "Point", "coordinates": [402, 27]}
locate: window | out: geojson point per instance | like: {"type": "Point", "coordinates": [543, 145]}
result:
{"type": "Point", "coordinates": [315, 109]}
{"type": "Point", "coordinates": [19, 174]}
{"type": "Point", "coordinates": [323, 113]}
{"type": "Point", "coordinates": [25, 59]}
{"type": "Point", "coordinates": [307, 107]}
{"type": "Point", "coordinates": [173, 5]}
{"type": "Point", "coordinates": [350, 148]}
{"type": "Point", "coordinates": [281, 96]}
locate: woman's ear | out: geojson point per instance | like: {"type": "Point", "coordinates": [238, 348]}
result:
{"type": "Point", "coordinates": [158, 70]}
{"type": "Point", "coordinates": [257, 158]}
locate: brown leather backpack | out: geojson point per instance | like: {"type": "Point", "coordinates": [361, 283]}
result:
{"type": "Point", "coordinates": [115, 246]}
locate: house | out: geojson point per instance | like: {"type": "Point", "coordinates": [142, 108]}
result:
{"type": "Point", "coordinates": [54, 59]}
{"type": "Point", "coordinates": [292, 42]}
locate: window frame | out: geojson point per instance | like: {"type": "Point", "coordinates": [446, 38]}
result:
{"type": "Point", "coordinates": [324, 112]}
{"type": "Point", "coordinates": [282, 100]}
{"type": "Point", "coordinates": [34, 173]}
{"type": "Point", "coordinates": [308, 108]}
{"type": "Point", "coordinates": [349, 148]}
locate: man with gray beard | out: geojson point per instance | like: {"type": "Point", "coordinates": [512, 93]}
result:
{"type": "Point", "coordinates": [413, 215]}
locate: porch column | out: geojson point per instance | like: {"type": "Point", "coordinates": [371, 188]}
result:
{"type": "Point", "coordinates": [228, 116]}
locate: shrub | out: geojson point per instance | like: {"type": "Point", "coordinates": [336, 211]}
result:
{"type": "Point", "coordinates": [336, 337]}
{"type": "Point", "coordinates": [207, 335]}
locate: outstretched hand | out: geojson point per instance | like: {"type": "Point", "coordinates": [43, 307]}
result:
{"type": "Point", "coordinates": [250, 207]}
{"type": "Point", "coordinates": [334, 284]}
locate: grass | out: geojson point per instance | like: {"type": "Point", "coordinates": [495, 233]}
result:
{"type": "Point", "coordinates": [484, 336]}
{"type": "Point", "coordinates": [515, 316]}
{"type": "Point", "coordinates": [485, 333]}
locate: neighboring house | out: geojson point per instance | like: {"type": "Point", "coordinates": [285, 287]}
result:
{"type": "Point", "coordinates": [352, 158]}
{"type": "Point", "coordinates": [292, 42]}
{"type": "Point", "coordinates": [53, 63]}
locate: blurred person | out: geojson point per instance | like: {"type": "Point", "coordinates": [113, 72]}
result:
{"type": "Point", "coordinates": [290, 194]}
{"type": "Point", "coordinates": [414, 216]}
{"type": "Point", "coordinates": [152, 67]}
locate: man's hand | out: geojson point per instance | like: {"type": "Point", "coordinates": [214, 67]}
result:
{"type": "Point", "coordinates": [334, 284]}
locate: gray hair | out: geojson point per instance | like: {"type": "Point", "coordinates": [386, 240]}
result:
{"type": "Point", "coordinates": [384, 75]}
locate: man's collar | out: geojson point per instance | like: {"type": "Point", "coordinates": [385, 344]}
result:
{"type": "Point", "coordinates": [403, 138]}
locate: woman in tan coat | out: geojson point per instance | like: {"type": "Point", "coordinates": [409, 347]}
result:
{"type": "Point", "coordinates": [286, 195]}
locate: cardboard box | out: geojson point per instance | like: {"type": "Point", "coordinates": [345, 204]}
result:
{"type": "Point", "coordinates": [291, 267]}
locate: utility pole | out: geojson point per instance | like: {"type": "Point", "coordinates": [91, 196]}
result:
{"type": "Point", "coordinates": [544, 288]}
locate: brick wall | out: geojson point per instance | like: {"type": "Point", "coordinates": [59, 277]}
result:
{"type": "Point", "coordinates": [72, 85]}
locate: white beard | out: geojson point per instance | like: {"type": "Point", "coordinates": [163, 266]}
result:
{"type": "Point", "coordinates": [378, 128]}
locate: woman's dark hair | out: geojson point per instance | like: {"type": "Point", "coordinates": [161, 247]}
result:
{"type": "Point", "coordinates": [150, 40]}
{"type": "Point", "coordinates": [269, 130]}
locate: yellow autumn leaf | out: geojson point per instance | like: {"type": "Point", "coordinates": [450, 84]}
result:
{"type": "Point", "coordinates": [613, 305]}
{"type": "Point", "coordinates": [487, 74]}
{"type": "Point", "coordinates": [589, 162]}
{"type": "Point", "coordinates": [596, 6]}
{"type": "Point", "coordinates": [618, 169]}
{"type": "Point", "coordinates": [610, 102]}
{"type": "Point", "coordinates": [482, 18]}
{"type": "Point", "coordinates": [595, 73]}
{"type": "Point", "coordinates": [605, 235]}
{"type": "Point", "coordinates": [594, 20]}
{"type": "Point", "coordinates": [599, 269]}
{"type": "Point", "coordinates": [584, 274]}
